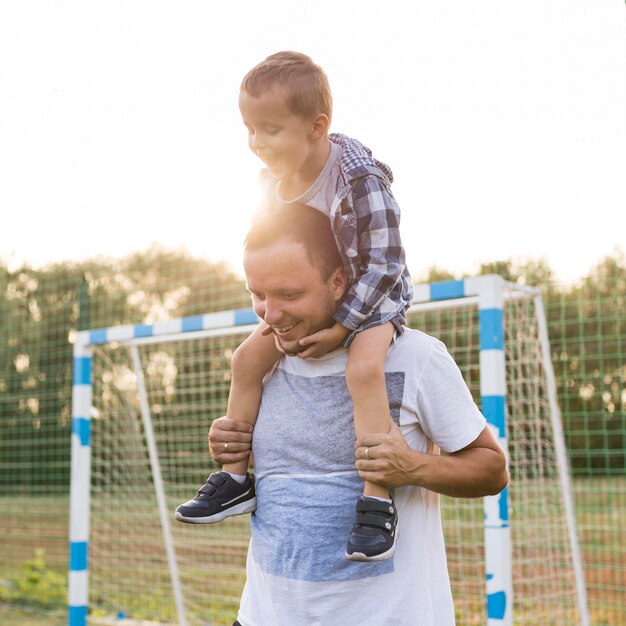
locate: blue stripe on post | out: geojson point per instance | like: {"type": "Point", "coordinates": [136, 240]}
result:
{"type": "Point", "coordinates": [82, 370]}
{"type": "Point", "coordinates": [496, 605]}
{"type": "Point", "coordinates": [192, 323]}
{"type": "Point", "coordinates": [493, 408]}
{"type": "Point", "coordinates": [98, 336]}
{"type": "Point", "coordinates": [245, 316]}
{"type": "Point", "coordinates": [77, 616]}
{"type": "Point", "coordinates": [504, 506]}
{"type": "Point", "coordinates": [81, 426]}
{"type": "Point", "coordinates": [491, 329]}
{"type": "Point", "coordinates": [78, 556]}
{"type": "Point", "coordinates": [142, 330]}
{"type": "Point", "coordinates": [447, 289]}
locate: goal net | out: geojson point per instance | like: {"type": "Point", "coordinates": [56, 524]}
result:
{"type": "Point", "coordinates": [144, 397]}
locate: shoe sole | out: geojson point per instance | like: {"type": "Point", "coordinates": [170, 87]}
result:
{"type": "Point", "coordinates": [363, 558]}
{"type": "Point", "coordinates": [240, 509]}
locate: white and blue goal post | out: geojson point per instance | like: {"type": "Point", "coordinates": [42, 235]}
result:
{"type": "Point", "coordinates": [488, 293]}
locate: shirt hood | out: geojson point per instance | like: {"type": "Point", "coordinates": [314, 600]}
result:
{"type": "Point", "coordinates": [357, 159]}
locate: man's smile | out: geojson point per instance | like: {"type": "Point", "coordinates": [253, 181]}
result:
{"type": "Point", "coordinates": [284, 330]}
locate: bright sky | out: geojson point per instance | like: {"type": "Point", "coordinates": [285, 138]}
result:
{"type": "Point", "coordinates": [504, 123]}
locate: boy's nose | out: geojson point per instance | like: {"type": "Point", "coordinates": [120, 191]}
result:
{"type": "Point", "coordinates": [256, 142]}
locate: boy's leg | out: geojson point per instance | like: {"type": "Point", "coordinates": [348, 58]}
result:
{"type": "Point", "coordinates": [231, 491]}
{"type": "Point", "coordinates": [374, 533]}
{"type": "Point", "coordinates": [365, 377]}
{"type": "Point", "coordinates": [251, 361]}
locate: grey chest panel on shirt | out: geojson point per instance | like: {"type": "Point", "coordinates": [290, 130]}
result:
{"type": "Point", "coordinates": [306, 425]}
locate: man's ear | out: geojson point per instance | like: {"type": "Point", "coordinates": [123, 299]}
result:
{"type": "Point", "coordinates": [339, 283]}
{"type": "Point", "coordinates": [319, 127]}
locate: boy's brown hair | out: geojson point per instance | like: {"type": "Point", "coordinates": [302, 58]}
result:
{"type": "Point", "coordinates": [306, 83]}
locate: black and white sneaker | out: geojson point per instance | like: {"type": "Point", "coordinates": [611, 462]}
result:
{"type": "Point", "coordinates": [220, 497]}
{"type": "Point", "coordinates": [375, 531]}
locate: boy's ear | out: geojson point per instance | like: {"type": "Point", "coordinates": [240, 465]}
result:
{"type": "Point", "coordinates": [319, 127]}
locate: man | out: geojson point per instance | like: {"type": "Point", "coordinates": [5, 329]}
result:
{"type": "Point", "coordinates": [303, 449]}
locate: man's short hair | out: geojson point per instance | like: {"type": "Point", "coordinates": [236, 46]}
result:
{"type": "Point", "coordinates": [301, 224]}
{"type": "Point", "coordinates": [306, 83]}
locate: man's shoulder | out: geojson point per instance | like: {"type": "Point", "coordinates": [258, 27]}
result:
{"type": "Point", "coordinates": [411, 348]}
{"type": "Point", "coordinates": [413, 339]}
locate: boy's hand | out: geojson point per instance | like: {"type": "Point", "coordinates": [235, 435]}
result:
{"type": "Point", "coordinates": [268, 331]}
{"type": "Point", "coordinates": [323, 341]}
{"type": "Point", "coordinates": [237, 434]}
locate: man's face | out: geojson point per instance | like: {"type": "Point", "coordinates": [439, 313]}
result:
{"type": "Point", "coordinates": [280, 138]}
{"type": "Point", "coordinates": [289, 293]}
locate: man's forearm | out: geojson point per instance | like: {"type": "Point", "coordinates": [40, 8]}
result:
{"type": "Point", "coordinates": [472, 473]}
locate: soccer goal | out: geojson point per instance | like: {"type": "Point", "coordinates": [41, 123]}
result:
{"type": "Point", "coordinates": [143, 398]}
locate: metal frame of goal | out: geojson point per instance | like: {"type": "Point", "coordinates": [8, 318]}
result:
{"type": "Point", "coordinates": [490, 295]}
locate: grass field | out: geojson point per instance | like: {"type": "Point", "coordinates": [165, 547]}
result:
{"type": "Point", "coordinates": [213, 584]}
{"type": "Point", "coordinates": [11, 616]}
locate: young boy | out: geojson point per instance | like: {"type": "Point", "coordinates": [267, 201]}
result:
{"type": "Point", "coordinates": [286, 105]}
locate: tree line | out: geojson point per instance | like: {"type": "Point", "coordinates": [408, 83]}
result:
{"type": "Point", "coordinates": [41, 309]}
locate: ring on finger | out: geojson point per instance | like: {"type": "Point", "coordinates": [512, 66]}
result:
{"type": "Point", "coordinates": [367, 454]}
{"type": "Point", "coordinates": [225, 446]}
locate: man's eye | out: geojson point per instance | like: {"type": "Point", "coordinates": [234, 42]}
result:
{"type": "Point", "coordinates": [258, 296]}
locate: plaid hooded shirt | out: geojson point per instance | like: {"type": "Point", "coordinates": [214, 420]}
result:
{"type": "Point", "coordinates": [365, 219]}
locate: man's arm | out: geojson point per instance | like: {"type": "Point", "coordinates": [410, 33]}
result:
{"type": "Point", "coordinates": [477, 470]}
{"type": "Point", "coordinates": [229, 440]}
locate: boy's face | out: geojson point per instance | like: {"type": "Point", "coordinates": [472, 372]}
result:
{"type": "Point", "coordinates": [280, 138]}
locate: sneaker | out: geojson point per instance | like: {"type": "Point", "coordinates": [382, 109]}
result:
{"type": "Point", "coordinates": [220, 497]}
{"type": "Point", "coordinates": [375, 531]}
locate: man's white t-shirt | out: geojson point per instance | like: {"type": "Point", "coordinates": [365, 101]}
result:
{"type": "Point", "coordinates": [307, 488]}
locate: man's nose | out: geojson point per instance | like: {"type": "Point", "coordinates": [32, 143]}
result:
{"type": "Point", "coordinates": [273, 312]}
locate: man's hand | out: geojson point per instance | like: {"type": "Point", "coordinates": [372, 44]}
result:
{"type": "Point", "coordinates": [385, 459]}
{"type": "Point", "coordinates": [229, 440]}
{"type": "Point", "coordinates": [477, 470]}
{"type": "Point", "coordinates": [323, 341]}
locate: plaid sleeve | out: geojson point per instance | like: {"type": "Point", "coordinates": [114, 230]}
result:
{"type": "Point", "coordinates": [377, 288]}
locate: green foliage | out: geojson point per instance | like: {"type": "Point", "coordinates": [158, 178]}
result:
{"type": "Point", "coordinates": [41, 309]}
{"type": "Point", "coordinates": [532, 272]}
{"type": "Point", "coordinates": [587, 329]}
{"type": "Point", "coordinates": [36, 586]}
{"type": "Point", "coordinates": [435, 274]}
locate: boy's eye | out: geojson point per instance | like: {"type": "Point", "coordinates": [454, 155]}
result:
{"type": "Point", "coordinates": [272, 130]}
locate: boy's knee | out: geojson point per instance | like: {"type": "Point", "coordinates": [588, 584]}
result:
{"type": "Point", "coordinates": [240, 362]}
{"type": "Point", "coordinates": [251, 360]}
{"type": "Point", "coordinates": [362, 373]}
